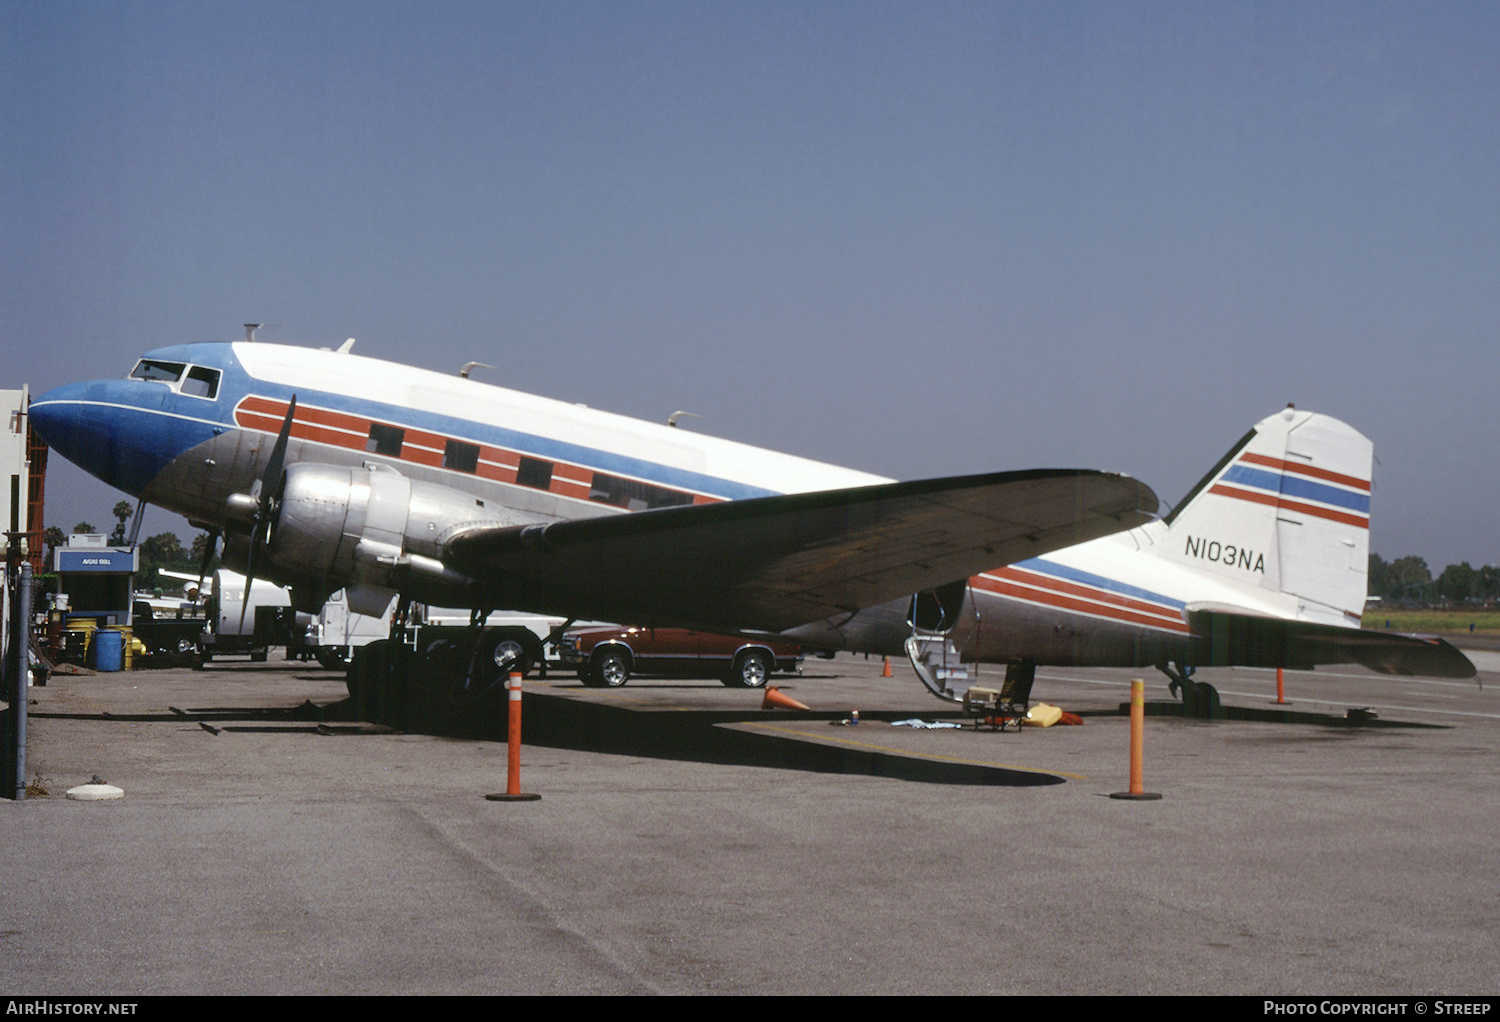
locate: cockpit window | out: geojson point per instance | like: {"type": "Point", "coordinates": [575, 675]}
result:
{"type": "Point", "coordinates": [152, 369]}
{"type": "Point", "coordinates": [195, 381]}
{"type": "Point", "coordinates": [202, 382]}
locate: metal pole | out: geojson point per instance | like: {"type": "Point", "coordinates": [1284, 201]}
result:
{"type": "Point", "coordinates": [18, 584]}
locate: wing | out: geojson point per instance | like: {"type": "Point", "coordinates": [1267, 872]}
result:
{"type": "Point", "coordinates": [1243, 640]}
{"type": "Point", "coordinates": [775, 562]}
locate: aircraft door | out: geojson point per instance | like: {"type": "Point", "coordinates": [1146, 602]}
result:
{"type": "Point", "coordinates": [940, 618]}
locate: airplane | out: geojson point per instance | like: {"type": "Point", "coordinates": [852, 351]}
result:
{"type": "Point", "coordinates": [325, 470]}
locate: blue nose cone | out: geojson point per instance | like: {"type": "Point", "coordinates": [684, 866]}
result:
{"type": "Point", "coordinates": [112, 429]}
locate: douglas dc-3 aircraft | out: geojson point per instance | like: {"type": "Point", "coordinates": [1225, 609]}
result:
{"type": "Point", "coordinates": [326, 470]}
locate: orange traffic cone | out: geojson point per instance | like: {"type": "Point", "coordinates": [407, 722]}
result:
{"type": "Point", "coordinates": [774, 700]}
{"type": "Point", "coordinates": [885, 672]}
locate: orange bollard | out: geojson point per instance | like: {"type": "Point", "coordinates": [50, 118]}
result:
{"type": "Point", "coordinates": [885, 672]}
{"type": "Point", "coordinates": [1280, 686]}
{"type": "Point", "coordinates": [1137, 742]}
{"type": "Point", "coordinates": [513, 791]}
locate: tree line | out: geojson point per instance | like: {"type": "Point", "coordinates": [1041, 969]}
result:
{"type": "Point", "coordinates": [1407, 581]}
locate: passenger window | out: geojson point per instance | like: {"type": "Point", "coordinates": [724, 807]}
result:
{"type": "Point", "coordinates": [161, 372]}
{"type": "Point", "coordinates": [634, 495]}
{"type": "Point", "coordinates": [461, 457]}
{"type": "Point", "coordinates": [534, 473]}
{"type": "Point", "coordinates": [202, 382]}
{"type": "Point", "coordinates": [385, 440]}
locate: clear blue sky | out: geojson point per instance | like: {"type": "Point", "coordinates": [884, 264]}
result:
{"type": "Point", "coordinates": [918, 239]}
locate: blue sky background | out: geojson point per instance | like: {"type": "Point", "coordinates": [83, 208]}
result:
{"type": "Point", "coordinates": [917, 239]}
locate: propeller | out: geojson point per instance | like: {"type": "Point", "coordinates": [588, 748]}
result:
{"type": "Point", "coordinates": [265, 510]}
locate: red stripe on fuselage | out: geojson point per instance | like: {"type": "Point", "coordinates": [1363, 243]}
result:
{"type": "Point", "coordinates": [1045, 590]}
{"type": "Point", "coordinates": [1307, 470]}
{"type": "Point", "coordinates": [419, 447]}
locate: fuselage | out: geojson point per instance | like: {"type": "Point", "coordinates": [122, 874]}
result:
{"type": "Point", "coordinates": [187, 443]}
{"type": "Point", "coordinates": [194, 424]}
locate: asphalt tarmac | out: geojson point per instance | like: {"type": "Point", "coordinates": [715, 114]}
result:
{"type": "Point", "coordinates": [688, 842]}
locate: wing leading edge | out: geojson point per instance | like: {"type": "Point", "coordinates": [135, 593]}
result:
{"type": "Point", "coordinates": [776, 562]}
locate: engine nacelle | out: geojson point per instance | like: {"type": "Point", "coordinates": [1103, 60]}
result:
{"type": "Point", "coordinates": [372, 526]}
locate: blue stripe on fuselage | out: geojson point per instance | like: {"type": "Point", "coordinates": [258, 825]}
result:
{"type": "Point", "coordinates": [1291, 485]}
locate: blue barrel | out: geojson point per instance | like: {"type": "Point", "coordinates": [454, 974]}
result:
{"type": "Point", "coordinates": [109, 650]}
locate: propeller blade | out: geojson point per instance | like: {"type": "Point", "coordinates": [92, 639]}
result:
{"type": "Point", "coordinates": [270, 489]}
{"type": "Point", "coordinates": [278, 455]}
{"type": "Point", "coordinates": [249, 579]}
{"type": "Point", "coordinates": [209, 549]}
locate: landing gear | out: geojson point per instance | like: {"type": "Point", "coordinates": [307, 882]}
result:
{"type": "Point", "coordinates": [379, 682]}
{"type": "Point", "coordinates": [1199, 698]}
{"type": "Point", "coordinates": [462, 670]}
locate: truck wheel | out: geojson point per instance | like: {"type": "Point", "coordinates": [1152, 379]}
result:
{"type": "Point", "coordinates": [510, 649]}
{"type": "Point", "coordinates": [751, 670]}
{"type": "Point", "coordinates": [509, 655]}
{"type": "Point", "coordinates": [610, 669]}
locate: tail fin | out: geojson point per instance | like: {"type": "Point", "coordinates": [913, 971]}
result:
{"type": "Point", "coordinates": [1287, 510]}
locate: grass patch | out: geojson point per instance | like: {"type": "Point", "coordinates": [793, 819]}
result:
{"type": "Point", "coordinates": [1433, 620]}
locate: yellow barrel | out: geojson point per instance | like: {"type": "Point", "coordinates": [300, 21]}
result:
{"type": "Point", "coordinates": [83, 627]}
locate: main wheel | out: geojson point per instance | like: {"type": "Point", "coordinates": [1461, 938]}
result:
{"type": "Point", "coordinates": [333, 658]}
{"type": "Point", "coordinates": [751, 670]}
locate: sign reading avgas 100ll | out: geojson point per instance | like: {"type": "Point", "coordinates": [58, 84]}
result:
{"type": "Point", "coordinates": [96, 560]}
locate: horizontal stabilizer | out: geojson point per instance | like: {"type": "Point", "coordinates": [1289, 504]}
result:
{"type": "Point", "coordinates": [1224, 639]}
{"type": "Point", "coordinates": [776, 562]}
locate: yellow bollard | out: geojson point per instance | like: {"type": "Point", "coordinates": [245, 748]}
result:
{"type": "Point", "coordinates": [1137, 790]}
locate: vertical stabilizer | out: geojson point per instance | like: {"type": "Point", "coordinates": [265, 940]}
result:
{"type": "Point", "coordinates": [1288, 511]}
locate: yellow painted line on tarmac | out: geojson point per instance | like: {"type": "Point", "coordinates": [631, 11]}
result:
{"type": "Point", "coordinates": [836, 740]}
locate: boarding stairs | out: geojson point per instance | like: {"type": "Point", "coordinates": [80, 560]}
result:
{"type": "Point", "coordinates": [937, 663]}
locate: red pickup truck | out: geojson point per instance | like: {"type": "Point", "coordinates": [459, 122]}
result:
{"type": "Point", "coordinates": [607, 657]}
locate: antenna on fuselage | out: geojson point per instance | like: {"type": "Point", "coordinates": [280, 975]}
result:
{"type": "Point", "coordinates": [471, 366]}
{"type": "Point", "coordinates": [672, 419]}
{"type": "Point", "coordinates": [250, 329]}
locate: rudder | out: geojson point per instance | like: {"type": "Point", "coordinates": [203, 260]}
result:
{"type": "Point", "coordinates": [1286, 510]}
